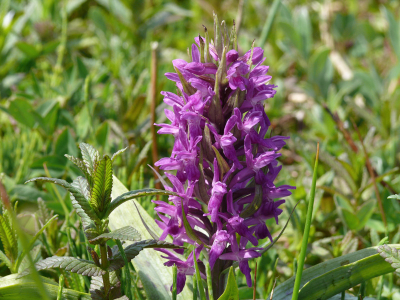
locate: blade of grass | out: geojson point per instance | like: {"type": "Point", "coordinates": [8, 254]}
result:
{"type": "Point", "coordinates": [209, 281]}
{"type": "Point", "coordinates": [271, 283]}
{"type": "Point", "coordinates": [33, 241]}
{"type": "Point", "coordinates": [302, 256]}
{"type": "Point", "coordinates": [268, 23]}
{"type": "Point", "coordinates": [25, 244]}
{"type": "Point", "coordinates": [128, 280]}
{"type": "Point", "coordinates": [198, 277]}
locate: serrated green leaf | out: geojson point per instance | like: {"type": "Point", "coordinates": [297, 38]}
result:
{"type": "Point", "coordinates": [79, 202]}
{"type": "Point", "coordinates": [5, 259]}
{"type": "Point", "coordinates": [100, 197]}
{"type": "Point", "coordinates": [118, 153]}
{"type": "Point", "coordinates": [131, 251]}
{"type": "Point", "coordinates": [79, 163]}
{"type": "Point", "coordinates": [133, 195]}
{"type": "Point", "coordinates": [90, 156]}
{"type": "Point", "coordinates": [231, 291]}
{"type": "Point", "coordinates": [127, 233]}
{"type": "Point", "coordinates": [8, 237]}
{"type": "Point", "coordinates": [391, 255]}
{"type": "Point", "coordinates": [72, 264]}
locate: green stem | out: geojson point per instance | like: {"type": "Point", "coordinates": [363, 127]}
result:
{"type": "Point", "coordinates": [104, 265]}
{"type": "Point", "coordinates": [60, 287]}
{"type": "Point", "coordinates": [128, 280]}
{"type": "Point", "coordinates": [302, 256]}
{"type": "Point", "coordinates": [209, 281]}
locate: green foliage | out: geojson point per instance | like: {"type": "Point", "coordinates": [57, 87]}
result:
{"type": "Point", "coordinates": [72, 264]}
{"type": "Point", "coordinates": [127, 233]}
{"type": "Point", "coordinates": [231, 292]}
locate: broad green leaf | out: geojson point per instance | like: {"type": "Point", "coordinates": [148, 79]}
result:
{"type": "Point", "coordinates": [127, 233]}
{"type": "Point", "coordinates": [284, 291]}
{"type": "Point", "coordinates": [344, 278]}
{"type": "Point", "coordinates": [350, 219]}
{"type": "Point", "coordinates": [79, 202]}
{"type": "Point", "coordinates": [133, 195]}
{"type": "Point", "coordinates": [90, 156]}
{"type": "Point", "coordinates": [29, 50]}
{"type": "Point", "coordinates": [365, 212]}
{"type": "Point", "coordinates": [391, 255]}
{"type": "Point", "coordinates": [131, 251]}
{"type": "Point", "coordinates": [22, 111]}
{"type": "Point", "coordinates": [156, 278]}
{"type": "Point", "coordinates": [66, 144]}
{"type": "Point", "coordinates": [231, 291]}
{"type": "Point", "coordinates": [102, 185]}
{"type": "Point", "coordinates": [72, 264]}
{"type": "Point", "coordinates": [12, 288]}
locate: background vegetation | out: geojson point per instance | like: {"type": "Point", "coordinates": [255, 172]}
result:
{"type": "Point", "coordinates": [80, 71]}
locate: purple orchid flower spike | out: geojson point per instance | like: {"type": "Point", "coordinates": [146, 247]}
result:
{"type": "Point", "coordinates": [224, 156]}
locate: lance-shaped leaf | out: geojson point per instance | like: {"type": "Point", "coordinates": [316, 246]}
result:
{"type": "Point", "coordinates": [189, 231]}
{"type": "Point", "coordinates": [222, 164]}
{"type": "Point", "coordinates": [217, 36]}
{"type": "Point", "coordinates": [255, 205]}
{"type": "Point", "coordinates": [100, 196]}
{"type": "Point", "coordinates": [127, 233]}
{"type": "Point", "coordinates": [391, 255]}
{"type": "Point", "coordinates": [118, 153]}
{"type": "Point", "coordinates": [222, 72]}
{"type": "Point", "coordinates": [90, 156]}
{"type": "Point", "coordinates": [131, 251]}
{"type": "Point", "coordinates": [133, 195]}
{"type": "Point", "coordinates": [187, 87]}
{"type": "Point", "coordinates": [79, 202]}
{"type": "Point", "coordinates": [231, 291]}
{"type": "Point", "coordinates": [72, 264]}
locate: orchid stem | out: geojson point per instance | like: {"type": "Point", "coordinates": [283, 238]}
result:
{"type": "Point", "coordinates": [302, 256]}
